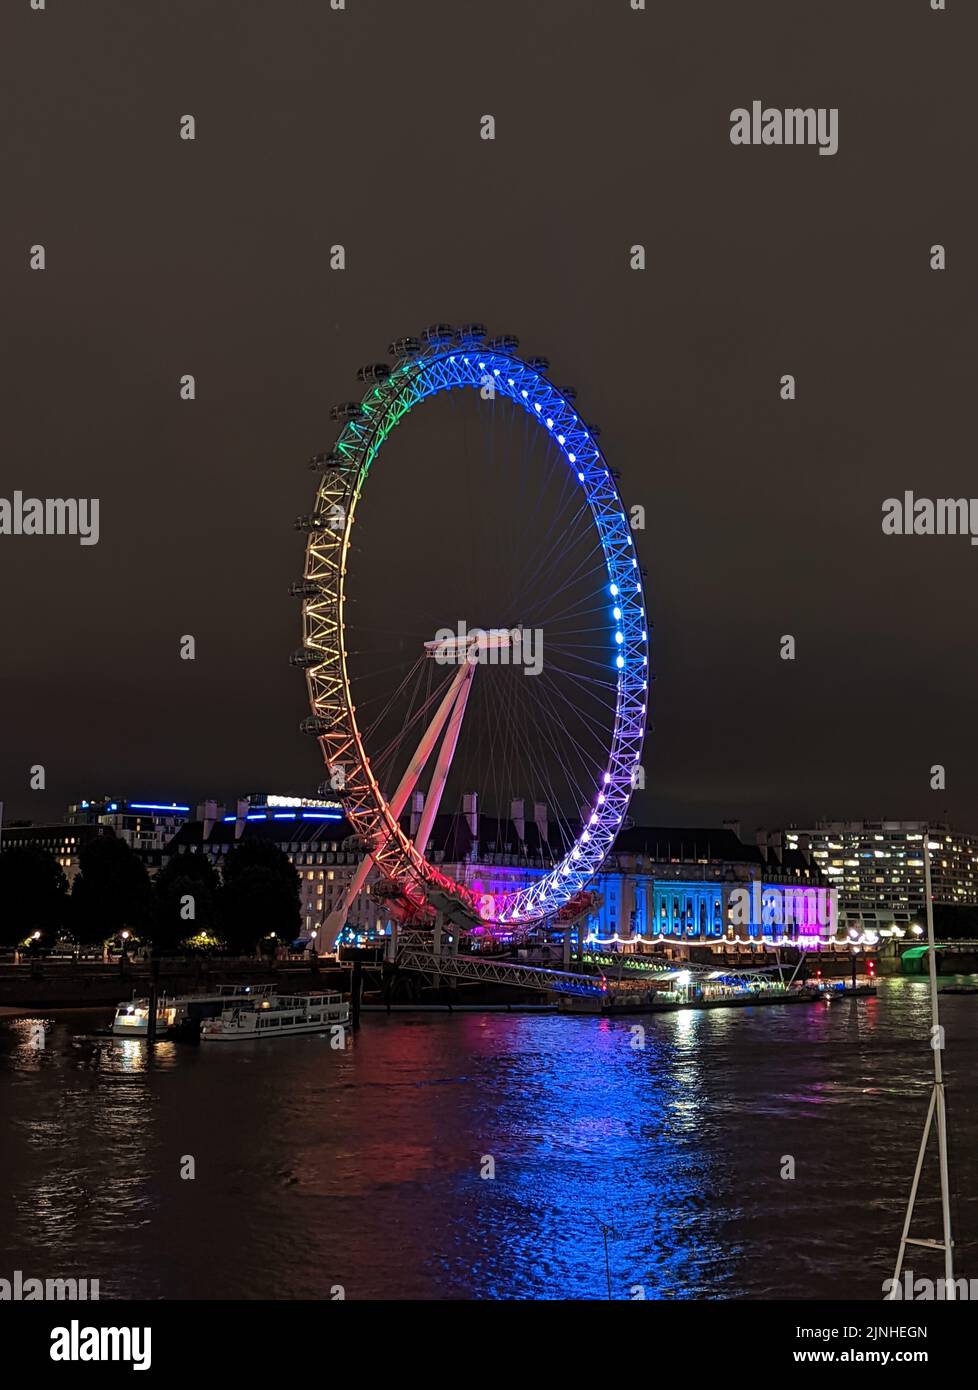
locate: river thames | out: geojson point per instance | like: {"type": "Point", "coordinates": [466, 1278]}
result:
{"type": "Point", "coordinates": [364, 1168]}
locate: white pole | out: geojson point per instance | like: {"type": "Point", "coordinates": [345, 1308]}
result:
{"type": "Point", "coordinates": [937, 1047]}
{"type": "Point", "coordinates": [935, 1110]}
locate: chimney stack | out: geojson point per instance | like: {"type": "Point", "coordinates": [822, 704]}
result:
{"type": "Point", "coordinates": [240, 816]}
{"type": "Point", "coordinates": [208, 812]}
{"type": "Point", "coordinates": [517, 815]}
{"type": "Point", "coordinates": [470, 810]}
{"type": "Point", "coordinates": [417, 809]}
{"type": "Point", "coordinates": [541, 822]}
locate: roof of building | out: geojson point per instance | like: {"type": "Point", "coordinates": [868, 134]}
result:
{"type": "Point", "coordinates": [665, 843]}
{"type": "Point", "coordinates": [296, 830]}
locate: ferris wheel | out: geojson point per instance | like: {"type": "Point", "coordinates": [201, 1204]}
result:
{"type": "Point", "coordinates": [572, 722]}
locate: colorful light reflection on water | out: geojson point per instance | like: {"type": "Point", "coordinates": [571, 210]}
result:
{"type": "Point", "coordinates": [364, 1168]}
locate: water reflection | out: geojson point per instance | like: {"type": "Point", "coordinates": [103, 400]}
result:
{"type": "Point", "coordinates": [482, 1155]}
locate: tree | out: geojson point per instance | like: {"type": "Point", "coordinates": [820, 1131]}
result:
{"type": "Point", "coordinates": [111, 892]}
{"type": "Point", "coordinates": [184, 901]}
{"type": "Point", "coordinates": [259, 897]}
{"type": "Point", "coordinates": [33, 892]}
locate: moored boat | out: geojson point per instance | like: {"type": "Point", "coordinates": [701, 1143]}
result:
{"type": "Point", "coordinates": [283, 1015]}
{"type": "Point", "coordinates": [183, 1013]}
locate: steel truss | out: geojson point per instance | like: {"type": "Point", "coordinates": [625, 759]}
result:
{"type": "Point", "coordinates": [415, 953]}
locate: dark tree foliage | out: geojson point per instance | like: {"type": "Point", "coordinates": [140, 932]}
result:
{"type": "Point", "coordinates": [111, 893]}
{"type": "Point", "coordinates": [251, 853]}
{"type": "Point", "coordinates": [260, 896]}
{"type": "Point", "coordinates": [256, 903]}
{"type": "Point", "coordinates": [33, 891]}
{"type": "Point", "coordinates": [185, 876]}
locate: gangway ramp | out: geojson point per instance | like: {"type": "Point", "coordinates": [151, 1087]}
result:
{"type": "Point", "coordinates": [412, 955]}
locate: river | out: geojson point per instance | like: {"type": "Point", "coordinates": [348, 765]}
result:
{"type": "Point", "coordinates": [486, 1155]}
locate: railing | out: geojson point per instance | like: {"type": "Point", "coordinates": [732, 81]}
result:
{"type": "Point", "coordinates": [415, 954]}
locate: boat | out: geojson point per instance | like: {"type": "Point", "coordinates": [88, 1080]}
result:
{"type": "Point", "coordinates": [832, 993]}
{"type": "Point", "coordinates": [283, 1015]}
{"type": "Point", "coordinates": [182, 1014]}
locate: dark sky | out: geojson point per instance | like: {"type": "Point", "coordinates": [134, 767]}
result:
{"type": "Point", "coordinates": [362, 127]}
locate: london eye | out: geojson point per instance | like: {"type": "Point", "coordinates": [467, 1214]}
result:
{"type": "Point", "coordinates": [506, 505]}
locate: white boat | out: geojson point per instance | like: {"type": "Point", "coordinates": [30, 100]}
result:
{"type": "Point", "coordinates": [283, 1015]}
{"type": "Point", "coordinates": [182, 1012]}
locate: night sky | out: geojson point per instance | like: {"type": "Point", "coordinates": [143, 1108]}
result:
{"type": "Point", "coordinates": [361, 127]}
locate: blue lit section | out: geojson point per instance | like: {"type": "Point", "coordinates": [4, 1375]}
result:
{"type": "Point", "coordinates": [684, 910]}
{"type": "Point", "coordinates": [157, 806]}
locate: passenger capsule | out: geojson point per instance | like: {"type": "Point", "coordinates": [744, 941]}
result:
{"type": "Point", "coordinates": [346, 410]}
{"type": "Point", "coordinates": [306, 657]}
{"type": "Point", "coordinates": [405, 347]}
{"type": "Point", "coordinates": [438, 333]}
{"type": "Point", "coordinates": [374, 371]}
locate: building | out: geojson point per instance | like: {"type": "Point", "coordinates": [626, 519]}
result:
{"type": "Point", "coordinates": [878, 868]}
{"type": "Point", "coordinates": [64, 842]}
{"type": "Point", "coordinates": [146, 826]}
{"type": "Point", "coordinates": [670, 884]}
{"type": "Point", "coordinates": [660, 884]}
{"type": "Point", "coordinates": [312, 835]}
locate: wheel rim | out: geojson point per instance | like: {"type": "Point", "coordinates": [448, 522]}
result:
{"type": "Point", "coordinates": [445, 366]}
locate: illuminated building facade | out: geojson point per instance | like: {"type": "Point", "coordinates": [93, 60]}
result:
{"type": "Point", "coordinates": [146, 826]}
{"type": "Point", "coordinates": [878, 868]}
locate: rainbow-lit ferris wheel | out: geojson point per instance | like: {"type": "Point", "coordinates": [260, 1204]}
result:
{"type": "Point", "coordinates": [571, 727]}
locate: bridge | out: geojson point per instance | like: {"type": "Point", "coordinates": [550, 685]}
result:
{"type": "Point", "coordinates": [430, 954]}
{"type": "Point", "coordinates": [417, 951]}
